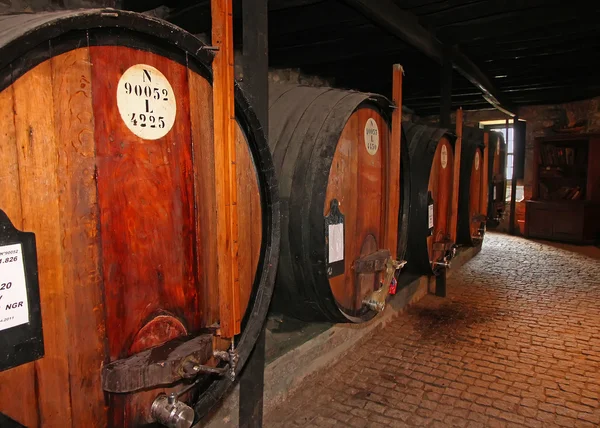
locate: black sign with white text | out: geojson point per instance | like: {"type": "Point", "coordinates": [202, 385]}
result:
{"type": "Point", "coordinates": [21, 338]}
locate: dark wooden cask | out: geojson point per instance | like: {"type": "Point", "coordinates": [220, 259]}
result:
{"type": "Point", "coordinates": [472, 206]}
{"type": "Point", "coordinates": [108, 157]}
{"type": "Point", "coordinates": [430, 241]}
{"type": "Point", "coordinates": [330, 150]}
{"type": "Point", "coordinates": [496, 179]}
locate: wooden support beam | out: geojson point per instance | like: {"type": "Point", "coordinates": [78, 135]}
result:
{"type": "Point", "coordinates": [225, 173]}
{"type": "Point", "coordinates": [393, 165]}
{"type": "Point", "coordinates": [518, 158]}
{"type": "Point", "coordinates": [456, 182]}
{"type": "Point", "coordinates": [485, 185]}
{"type": "Point", "coordinates": [406, 26]}
{"type": "Point", "coordinates": [255, 53]}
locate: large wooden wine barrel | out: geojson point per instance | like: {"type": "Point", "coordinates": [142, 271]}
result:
{"type": "Point", "coordinates": [472, 206]}
{"type": "Point", "coordinates": [330, 150]}
{"type": "Point", "coordinates": [107, 155]}
{"type": "Point", "coordinates": [430, 241]}
{"type": "Point", "coordinates": [496, 179]}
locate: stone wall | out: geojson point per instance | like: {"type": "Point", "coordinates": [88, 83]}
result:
{"type": "Point", "coordinates": [542, 120]}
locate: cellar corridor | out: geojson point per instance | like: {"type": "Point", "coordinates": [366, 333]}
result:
{"type": "Point", "coordinates": [515, 343]}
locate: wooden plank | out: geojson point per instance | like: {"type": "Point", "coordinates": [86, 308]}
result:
{"type": "Point", "coordinates": [370, 233]}
{"type": "Point", "coordinates": [456, 182]}
{"type": "Point", "coordinates": [393, 166]}
{"type": "Point", "coordinates": [249, 216]}
{"type": "Point", "coordinates": [484, 174]}
{"type": "Point", "coordinates": [146, 202]}
{"type": "Point", "coordinates": [38, 161]}
{"type": "Point", "coordinates": [74, 124]}
{"type": "Point", "coordinates": [440, 186]}
{"type": "Point", "coordinates": [475, 192]}
{"type": "Point", "coordinates": [201, 118]}
{"type": "Point", "coordinates": [341, 185]}
{"type": "Point", "coordinates": [17, 383]}
{"type": "Point", "coordinates": [225, 169]}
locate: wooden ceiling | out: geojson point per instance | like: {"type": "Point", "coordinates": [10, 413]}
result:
{"type": "Point", "coordinates": [533, 51]}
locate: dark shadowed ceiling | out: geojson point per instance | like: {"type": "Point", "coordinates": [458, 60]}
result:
{"type": "Point", "coordinates": [533, 51]}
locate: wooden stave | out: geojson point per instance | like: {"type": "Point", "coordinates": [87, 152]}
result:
{"type": "Point", "coordinates": [24, 43]}
{"type": "Point", "coordinates": [472, 141]}
{"type": "Point", "coordinates": [423, 141]}
{"type": "Point", "coordinates": [309, 177]}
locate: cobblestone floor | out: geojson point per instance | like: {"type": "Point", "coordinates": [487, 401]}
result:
{"type": "Point", "coordinates": [515, 343]}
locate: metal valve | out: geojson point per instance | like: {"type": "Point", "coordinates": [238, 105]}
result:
{"type": "Point", "coordinates": [376, 301]}
{"type": "Point", "coordinates": [172, 413]}
{"type": "Point", "coordinates": [442, 264]}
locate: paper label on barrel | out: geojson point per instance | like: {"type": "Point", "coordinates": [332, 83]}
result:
{"type": "Point", "coordinates": [477, 160]}
{"type": "Point", "coordinates": [430, 215]}
{"type": "Point", "coordinates": [444, 156]}
{"type": "Point", "coordinates": [146, 102]}
{"type": "Point", "coordinates": [371, 136]}
{"type": "Point", "coordinates": [14, 308]}
{"type": "Point", "coordinates": [336, 242]}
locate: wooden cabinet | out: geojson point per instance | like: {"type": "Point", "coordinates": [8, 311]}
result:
{"type": "Point", "coordinates": [565, 202]}
{"type": "Point", "coordinates": [560, 221]}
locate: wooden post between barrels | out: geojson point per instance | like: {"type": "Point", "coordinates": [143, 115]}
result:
{"type": "Point", "coordinates": [225, 168]}
{"type": "Point", "coordinates": [393, 166]}
{"type": "Point", "coordinates": [456, 183]}
{"type": "Point", "coordinates": [485, 171]}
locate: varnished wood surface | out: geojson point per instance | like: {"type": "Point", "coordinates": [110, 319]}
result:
{"type": "Point", "coordinates": [124, 228]}
{"type": "Point", "coordinates": [72, 85]}
{"type": "Point", "coordinates": [475, 192]}
{"type": "Point", "coordinates": [440, 185]}
{"type": "Point", "coordinates": [357, 181]}
{"type": "Point", "coordinates": [225, 169]}
{"type": "Point", "coordinates": [249, 218]}
{"type": "Point", "coordinates": [38, 160]}
{"type": "Point", "coordinates": [483, 209]}
{"type": "Point", "coordinates": [456, 181]}
{"type": "Point", "coordinates": [17, 383]}
{"type": "Point", "coordinates": [393, 162]}
{"type": "Point", "coordinates": [145, 198]}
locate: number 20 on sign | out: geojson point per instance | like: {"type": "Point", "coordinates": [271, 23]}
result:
{"type": "Point", "coordinates": [14, 308]}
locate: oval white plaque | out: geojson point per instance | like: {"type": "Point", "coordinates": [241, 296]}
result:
{"type": "Point", "coordinates": [444, 156]}
{"type": "Point", "coordinates": [146, 102]}
{"type": "Point", "coordinates": [371, 136]}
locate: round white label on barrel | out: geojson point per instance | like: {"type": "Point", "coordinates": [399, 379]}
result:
{"type": "Point", "coordinates": [371, 136]}
{"type": "Point", "coordinates": [444, 156]}
{"type": "Point", "coordinates": [146, 102]}
{"type": "Point", "coordinates": [477, 160]}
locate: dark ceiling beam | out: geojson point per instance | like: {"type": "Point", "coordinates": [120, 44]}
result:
{"type": "Point", "coordinates": [406, 26]}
